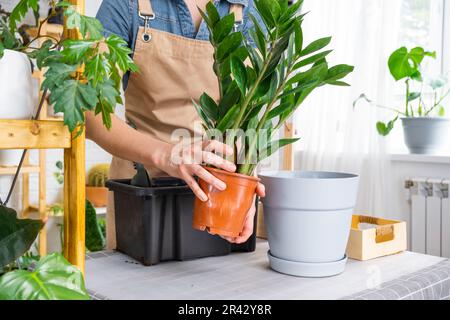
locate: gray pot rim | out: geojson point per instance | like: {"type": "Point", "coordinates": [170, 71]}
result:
{"type": "Point", "coordinates": [425, 118]}
{"type": "Point", "coordinates": [307, 175]}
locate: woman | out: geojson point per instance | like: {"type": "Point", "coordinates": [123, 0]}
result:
{"type": "Point", "coordinates": [172, 50]}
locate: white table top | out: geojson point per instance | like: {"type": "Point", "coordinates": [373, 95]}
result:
{"type": "Point", "coordinates": [238, 276]}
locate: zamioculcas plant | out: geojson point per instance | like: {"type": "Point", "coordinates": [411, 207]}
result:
{"type": "Point", "coordinates": [260, 88]}
{"type": "Point", "coordinates": [80, 75]}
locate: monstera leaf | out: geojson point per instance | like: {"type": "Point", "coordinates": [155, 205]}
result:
{"type": "Point", "coordinates": [53, 279]}
{"type": "Point", "coordinates": [16, 236]}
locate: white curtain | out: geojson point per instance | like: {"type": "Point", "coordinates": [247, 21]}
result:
{"type": "Point", "coordinates": [334, 137]}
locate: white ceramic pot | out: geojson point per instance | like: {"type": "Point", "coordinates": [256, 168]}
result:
{"type": "Point", "coordinates": [16, 95]}
{"type": "Point", "coordinates": [426, 135]}
{"type": "Point", "coordinates": [308, 217]}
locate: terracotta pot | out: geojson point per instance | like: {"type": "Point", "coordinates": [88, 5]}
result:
{"type": "Point", "coordinates": [225, 211]}
{"type": "Point", "coordinates": [98, 196]}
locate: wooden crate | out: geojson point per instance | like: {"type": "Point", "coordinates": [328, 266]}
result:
{"type": "Point", "coordinates": [385, 238]}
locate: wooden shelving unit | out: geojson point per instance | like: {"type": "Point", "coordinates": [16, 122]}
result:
{"type": "Point", "coordinates": [45, 134]}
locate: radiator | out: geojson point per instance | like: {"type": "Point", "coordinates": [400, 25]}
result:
{"type": "Point", "coordinates": [429, 215]}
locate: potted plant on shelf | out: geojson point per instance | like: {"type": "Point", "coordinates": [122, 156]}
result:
{"type": "Point", "coordinates": [16, 101]}
{"type": "Point", "coordinates": [96, 192]}
{"type": "Point", "coordinates": [79, 75]}
{"type": "Point", "coordinates": [426, 131]}
{"type": "Point", "coordinates": [256, 98]}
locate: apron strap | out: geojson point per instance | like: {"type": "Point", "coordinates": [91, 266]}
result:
{"type": "Point", "coordinates": [238, 10]}
{"type": "Point", "coordinates": [146, 12]}
{"type": "Point", "coordinates": [145, 9]}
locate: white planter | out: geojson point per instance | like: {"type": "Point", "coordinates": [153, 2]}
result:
{"type": "Point", "coordinates": [308, 218]}
{"type": "Point", "coordinates": [425, 135]}
{"type": "Point", "coordinates": [16, 95]}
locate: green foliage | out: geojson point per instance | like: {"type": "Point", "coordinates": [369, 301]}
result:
{"type": "Point", "coordinates": [405, 65]}
{"type": "Point", "coordinates": [53, 278]}
{"type": "Point", "coordinates": [261, 95]}
{"type": "Point", "coordinates": [95, 240]}
{"type": "Point", "coordinates": [16, 236]}
{"type": "Point", "coordinates": [19, 12]}
{"type": "Point", "coordinates": [80, 75]}
{"type": "Point", "coordinates": [98, 175]}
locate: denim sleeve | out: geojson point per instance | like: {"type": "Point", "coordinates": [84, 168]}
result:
{"type": "Point", "coordinates": [115, 15]}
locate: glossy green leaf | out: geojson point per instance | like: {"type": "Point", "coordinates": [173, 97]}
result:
{"type": "Point", "coordinates": [206, 121]}
{"type": "Point", "coordinates": [441, 111]}
{"type": "Point", "coordinates": [229, 45]}
{"type": "Point", "coordinates": [316, 46]}
{"type": "Point", "coordinates": [228, 120]}
{"type": "Point", "coordinates": [97, 69]}
{"type": "Point", "coordinates": [230, 98]}
{"type": "Point", "coordinates": [20, 10]}
{"type": "Point", "coordinates": [91, 27]}
{"type": "Point", "coordinates": [385, 128]}
{"type": "Point", "coordinates": [16, 235]}
{"type": "Point", "coordinates": [274, 146]}
{"type": "Point", "coordinates": [312, 59]}
{"type": "Point", "coordinates": [119, 53]}
{"type": "Point", "coordinates": [259, 37]}
{"type": "Point", "coordinates": [209, 107]}
{"type": "Point", "coordinates": [239, 73]}
{"type": "Point", "coordinates": [75, 50]}
{"type": "Point", "coordinates": [338, 72]}
{"type": "Point", "coordinates": [53, 279]}
{"type": "Point", "coordinates": [282, 108]}
{"type": "Point", "coordinates": [413, 96]}
{"type": "Point", "coordinates": [94, 237]}
{"type": "Point", "coordinates": [56, 74]}
{"type": "Point", "coordinates": [269, 10]}
{"type": "Point", "coordinates": [213, 14]}
{"type": "Point", "coordinates": [405, 64]}
{"type": "Point", "coordinates": [223, 28]}
{"type": "Point", "coordinates": [73, 99]}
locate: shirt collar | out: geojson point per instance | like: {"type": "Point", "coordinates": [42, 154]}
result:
{"type": "Point", "coordinates": [243, 2]}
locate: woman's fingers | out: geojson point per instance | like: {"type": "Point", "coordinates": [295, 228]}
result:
{"type": "Point", "coordinates": [219, 147]}
{"type": "Point", "coordinates": [218, 162]}
{"type": "Point", "coordinates": [189, 179]}
{"type": "Point", "coordinates": [248, 226]}
{"type": "Point", "coordinates": [203, 174]}
{"type": "Point", "coordinates": [261, 190]}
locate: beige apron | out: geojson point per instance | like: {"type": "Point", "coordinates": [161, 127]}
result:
{"type": "Point", "coordinates": [173, 70]}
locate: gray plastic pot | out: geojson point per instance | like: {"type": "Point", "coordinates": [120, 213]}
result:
{"type": "Point", "coordinates": [308, 218]}
{"type": "Point", "coordinates": [425, 135]}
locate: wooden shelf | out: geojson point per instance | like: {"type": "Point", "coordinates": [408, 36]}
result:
{"type": "Point", "coordinates": [25, 169]}
{"type": "Point", "coordinates": [29, 134]}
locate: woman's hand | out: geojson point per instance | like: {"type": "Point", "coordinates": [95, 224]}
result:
{"type": "Point", "coordinates": [185, 162]}
{"type": "Point", "coordinates": [249, 220]}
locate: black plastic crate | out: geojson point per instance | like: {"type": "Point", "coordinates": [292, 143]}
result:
{"type": "Point", "coordinates": [155, 224]}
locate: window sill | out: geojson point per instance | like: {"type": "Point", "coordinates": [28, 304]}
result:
{"type": "Point", "coordinates": [421, 158]}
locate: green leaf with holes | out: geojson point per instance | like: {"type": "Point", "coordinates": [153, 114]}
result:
{"type": "Point", "coordinates": [16, 235]}
{"type": "Point", "coordinates": [53, 278]}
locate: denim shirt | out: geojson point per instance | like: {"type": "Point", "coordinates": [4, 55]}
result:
{"type": "Point", "coordinates": [120, 17]}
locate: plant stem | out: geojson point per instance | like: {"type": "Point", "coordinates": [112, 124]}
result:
{"type": "Point", "coordinates": [247, 166]}
{"type": "Point", "coordinates": [407, 98]}
{"type": "Point", "coordinates": [252, 91]}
